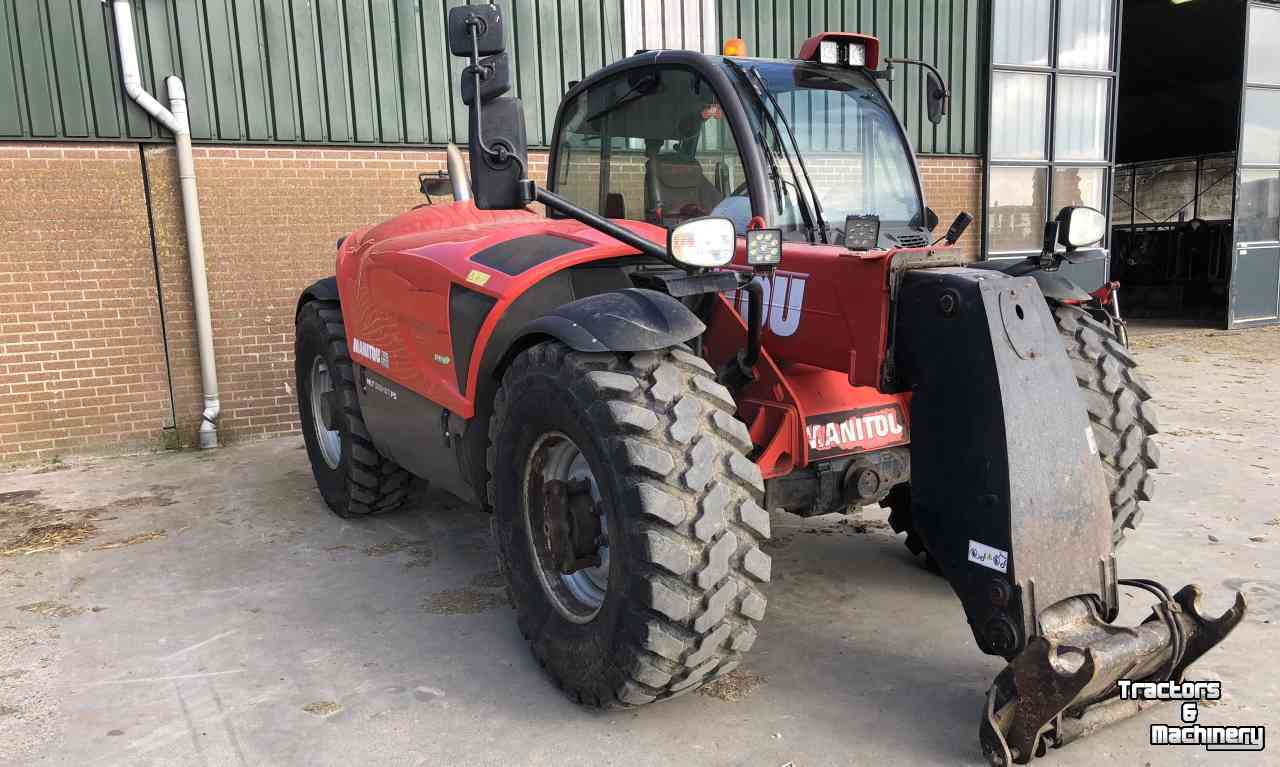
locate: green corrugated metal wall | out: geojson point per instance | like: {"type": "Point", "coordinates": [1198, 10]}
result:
{"type": "Point", "coordinates": [377, 72]}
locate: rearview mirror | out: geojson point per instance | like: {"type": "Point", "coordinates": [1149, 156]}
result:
{"type": "Point", "coordinates": [485, 20]}
{"type": "Point", "coordinates": [498, 164]}
{"type": "Point", "coordinates": [936, 95]}
{"type": "Point", "coordinates": [956, 231]}
{"type": "Point", "coordinates": [1079, 227]}
{"type": "Point", "coordinates": [435, 184]}
{"type": "Point", "coordinates": [495, 79]}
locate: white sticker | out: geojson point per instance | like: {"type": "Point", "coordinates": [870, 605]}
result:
{"type": "Point", "coordinates": [369, 351]}
{"type": "Point", "coordinates": [1093, 443]}
{"type": "Point", "coordinates": [988, 556]}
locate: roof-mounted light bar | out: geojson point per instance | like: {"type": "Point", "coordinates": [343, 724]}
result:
{"type": "Point", "coordinates": [848, 49]}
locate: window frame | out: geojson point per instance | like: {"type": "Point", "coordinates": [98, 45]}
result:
{"type": "Point", "coordinates": [1251, 86]}
{"type": "Point", "coordinates": [1050, 162]}
{"type": "Point", "coordinates": [703, 66]}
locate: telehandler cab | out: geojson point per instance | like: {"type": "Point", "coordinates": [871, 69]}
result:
{"type": "Point", "coordinates": [733, 304]}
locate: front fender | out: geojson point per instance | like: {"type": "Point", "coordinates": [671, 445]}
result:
{"type": "Point", "coordinates": [629, 320]}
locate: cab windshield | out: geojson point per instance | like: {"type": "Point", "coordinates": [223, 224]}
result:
{"type": "Point", "coordinates": [833, 148]}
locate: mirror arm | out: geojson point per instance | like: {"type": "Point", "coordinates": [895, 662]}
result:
{"type": "Point", "coordinates": [625, 236]}
{"type": "Point", "coordinates": [888, 74]}
{"type": "Point", "coordinates": [503, 152]}
{"type": "Point", "coordinates": [891, 61]}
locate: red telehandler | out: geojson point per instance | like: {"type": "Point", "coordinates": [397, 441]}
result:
{"type": "Point", "coordinates": [732, 302]}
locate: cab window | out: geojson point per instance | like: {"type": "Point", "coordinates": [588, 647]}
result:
{"type": "Point", "coordinates": [651, 145]}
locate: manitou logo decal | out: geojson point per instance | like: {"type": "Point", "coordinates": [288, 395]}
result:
{"type": "Point", "coordinates": [783, 301]}
{"type": "Point", "coordinates": [854, 431]}
{"type": "Point", "coordinates": [371, 352]}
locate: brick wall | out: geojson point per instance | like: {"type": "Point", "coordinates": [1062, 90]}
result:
{"type": "Point", "coordinates": [82, 343]}
{"type": "Point", "coordinates": [81, 356]}
{"type": "Point", "coordinates": [952, 185]}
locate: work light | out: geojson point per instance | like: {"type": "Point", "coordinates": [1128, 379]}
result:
{"type": "Point", "coordinates": [829, 52]}
{"type": "Point", "coordinates": [703, 242]}
{"type": "Point", "coordinates": [840, 52]}
{"type": "Point", "coordinates": [764, 247]}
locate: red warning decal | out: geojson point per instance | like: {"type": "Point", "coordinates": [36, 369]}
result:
{"type": "Point", "coordinates": [856, 431]}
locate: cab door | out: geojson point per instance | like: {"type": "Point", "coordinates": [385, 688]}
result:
{"type": "Point", "coordinates": [1255, 273]}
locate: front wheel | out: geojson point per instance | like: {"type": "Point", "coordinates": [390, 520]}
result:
{"type": "Point", "coordinates": [628, 521]}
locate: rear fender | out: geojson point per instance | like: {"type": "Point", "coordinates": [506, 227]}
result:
{"type": "Point", "coordinates": [325, 289]}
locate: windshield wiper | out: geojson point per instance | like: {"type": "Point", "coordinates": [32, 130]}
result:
{"type": "Point", "coordinates": [795, 146]}
{"type": "Point", "coordinates": [805, 212]}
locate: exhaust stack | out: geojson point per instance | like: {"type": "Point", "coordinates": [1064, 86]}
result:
{"type": "Point", "coordinates": [458, 176]}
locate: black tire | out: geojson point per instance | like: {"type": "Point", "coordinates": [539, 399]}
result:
{"type": "Point", "coordinates": [682, 512]}
{"type": "Point", "coordinates": [362, 482]}
{"type": "Point", "coordinates": [1123, 418]}
{"type": "Point", "coordinates": [1120, 408]}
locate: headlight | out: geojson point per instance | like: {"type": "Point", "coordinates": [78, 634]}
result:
{"type": "Point", "coordinates": [703, 242]}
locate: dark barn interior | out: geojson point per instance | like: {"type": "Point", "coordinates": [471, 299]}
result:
{"type": "Point", "coordinates": [1176, 138]}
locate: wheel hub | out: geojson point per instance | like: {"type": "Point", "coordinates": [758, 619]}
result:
{"type": "Point", "coordinates": [565, 526]}
{"type": "Point", "coordinates": [571, 525]}
{"type": "Point", "coordinates": [328, 439]}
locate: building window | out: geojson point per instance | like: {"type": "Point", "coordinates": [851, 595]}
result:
{"type": "Point", "coordinates": [1053, 83]}
{"type": "Point", "coordinates": [1260, 142]}
{"type": "Point", "coordinates": [1258, 196]}
{"type": "Point", "coordinates": [1021, 32]}
{"type": "Point", "coordinates": [1084, 34]}
{"type": "Point", "coordinates": [1264, 54]}
{"type": "Point", "coordinates": [1025, 94]}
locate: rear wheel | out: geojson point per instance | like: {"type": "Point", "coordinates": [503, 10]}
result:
{"type": "Point", "coordinates": [628, 521]}
{"type": "Point", "coordinates": [1119, 405]}
{"type": "Point", "coordinates": [354, 479]}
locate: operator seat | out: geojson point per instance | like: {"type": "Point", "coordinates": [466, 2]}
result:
{"type": "Point", "coordinates": [676, 187]}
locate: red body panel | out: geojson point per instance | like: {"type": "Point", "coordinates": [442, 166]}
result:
{"type": "Point", "coordinates": [825, 334]}
{"type": "Point", "coordinates": [394, 284]}
{"type": "Point", "coordinates": [394, 281]}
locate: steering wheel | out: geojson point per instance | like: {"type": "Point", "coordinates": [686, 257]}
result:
{"type": "Point", "coordinates": [692, 210]}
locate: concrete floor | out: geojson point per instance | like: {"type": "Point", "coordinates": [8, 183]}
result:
{"type": "Point", "coordinates": [213, 612]}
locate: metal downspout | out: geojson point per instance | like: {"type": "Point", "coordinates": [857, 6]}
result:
{"type": "Point", "coordinates": [177, 122]}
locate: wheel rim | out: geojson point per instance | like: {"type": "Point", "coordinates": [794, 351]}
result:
{"type": "Point", "coordinates": [329, 440]}
{"type": "Point", "coordinates": [578, 596]}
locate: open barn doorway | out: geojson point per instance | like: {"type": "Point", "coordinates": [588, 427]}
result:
{"type": "Point", "coordinates": [1196, 197]}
